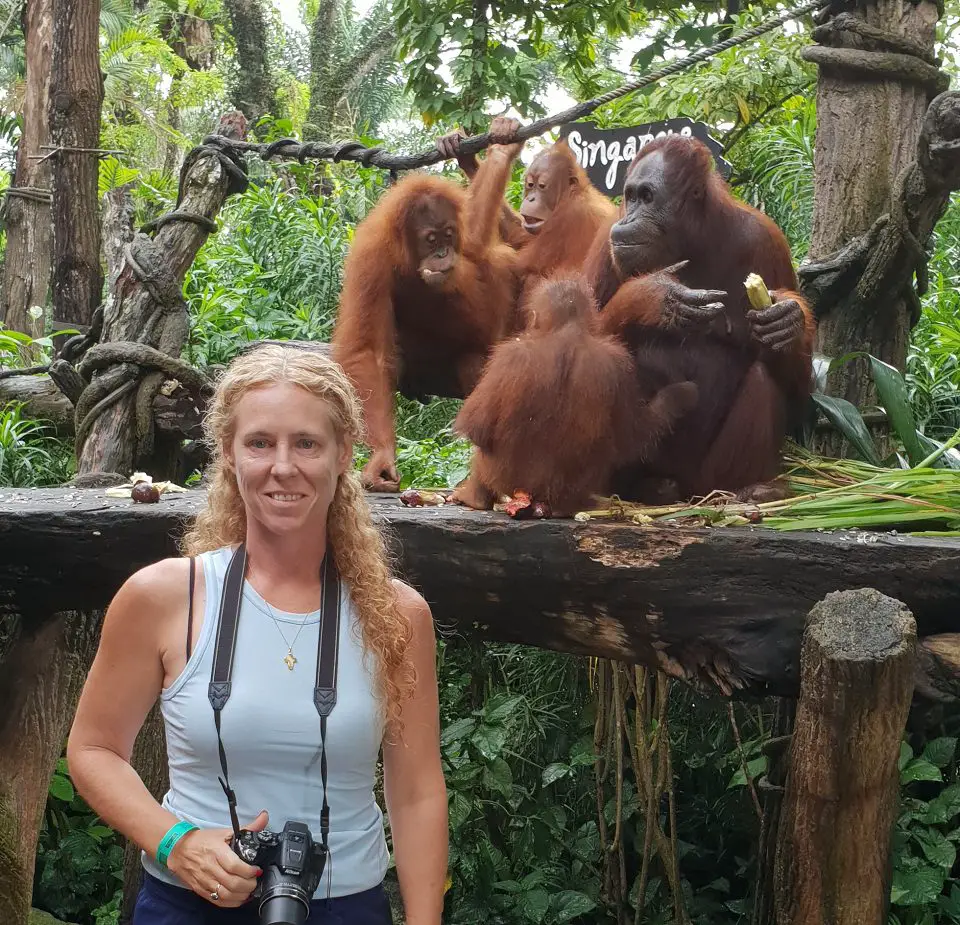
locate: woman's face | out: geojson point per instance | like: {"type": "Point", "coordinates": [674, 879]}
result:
{"type": "Point", "coordinates": [286, 457]}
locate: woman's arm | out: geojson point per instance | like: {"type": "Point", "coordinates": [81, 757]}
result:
{"type": "Point", "coordinates": [141, 624]}
{"type": "Point", "coordinates": [415, 791]}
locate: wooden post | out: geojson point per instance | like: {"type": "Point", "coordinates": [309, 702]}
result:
{"type": "Point", "coordinates": [856, 683]}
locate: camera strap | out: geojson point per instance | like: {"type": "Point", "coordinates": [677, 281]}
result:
{"type": "Point", "coordinates": [324, 691]}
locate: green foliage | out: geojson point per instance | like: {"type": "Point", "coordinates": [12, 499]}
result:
{"type": "Point", "coordinates": [496, 51]}
{"type": "Point", "coordinates": [918, 449]}
{"type": "Point", "coordinates": [274, 270]}
{"type": "Point", "coordinates": [774, 170]}
{"type": "Point", "coordinates": [79, 871]}
{"type": "Point", "coordinates": [30, 453]}
{"type": "Point", "coordinates": [517, 755]}
{"type": "Point", "coordinates": [925, 889]}
{"type": "Point", "coordinates": [734, 89]}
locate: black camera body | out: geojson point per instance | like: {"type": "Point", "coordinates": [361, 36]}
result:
{"type": "Point", "coordinates": [292, 863]}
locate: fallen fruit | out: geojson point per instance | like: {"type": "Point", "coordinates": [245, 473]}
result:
{"type": "Point", "coordinates": [145, 493]}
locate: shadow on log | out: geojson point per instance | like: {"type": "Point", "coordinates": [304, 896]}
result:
{"type": "Point", "coordinates": [840, 803]}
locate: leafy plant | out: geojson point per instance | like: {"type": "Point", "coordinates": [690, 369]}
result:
{"type": "Point", "coordinates": [918, 450]}
{"type": "Point", "coordinates": [274, 270]}
{"type": "Point", "coordinates": [79, 871]}
{"type": "Point", "coordinates": [30, 453]}
{"type": "Point", "coordinates": [517, 755]}
{"type": "Point", "coordinates": [924, 888]}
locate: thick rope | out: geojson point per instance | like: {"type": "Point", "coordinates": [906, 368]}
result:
{"type": "Point", "coordinates": [378, 157]}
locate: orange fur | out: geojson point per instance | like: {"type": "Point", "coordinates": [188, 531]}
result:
{"type": "Point", "coordinates": [565, 239]}
{"type": "Point", "coordinates": [394, 332]}
{"type": "Point", "coordinates": [559, 408]}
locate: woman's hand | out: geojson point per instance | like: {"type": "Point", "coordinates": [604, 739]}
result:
{"type": "Point", "coordinates": [204, 861]}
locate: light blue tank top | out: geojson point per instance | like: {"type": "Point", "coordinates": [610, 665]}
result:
{"type": "Point", "coordinates": [271, 734]}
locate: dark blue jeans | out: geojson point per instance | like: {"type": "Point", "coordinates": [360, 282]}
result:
{"type": "Point", "coordinates": [159, 903]}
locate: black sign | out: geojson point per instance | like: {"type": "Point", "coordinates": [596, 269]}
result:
{"type": "Point", "coordinates": [602, 151]}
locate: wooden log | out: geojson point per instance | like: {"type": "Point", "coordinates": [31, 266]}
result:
{"type": "Point", "coordinates": [134, 315]}
{"type": "Point", "coordinates": [41, 399]}
{"type": "Point", "coordinates": [726, 607]}
{"type": "Point", "coordinates": [39, 687]}
{"type": "Point", "coordinates": [840, 804]}
{"type": "Point", "coordinates": [938, 667]}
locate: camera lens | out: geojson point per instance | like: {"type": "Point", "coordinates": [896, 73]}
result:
{"type": "Point", "coordinates": [284, 909]}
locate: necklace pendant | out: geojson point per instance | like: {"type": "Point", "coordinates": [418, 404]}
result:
{"type": "Point", "coordinates": [290, 660]}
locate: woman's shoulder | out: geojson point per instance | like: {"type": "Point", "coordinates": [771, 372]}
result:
{"type": "Point", "coordinates": [153, 584]}
{"type": "Point", "coordinates": [413, 606]}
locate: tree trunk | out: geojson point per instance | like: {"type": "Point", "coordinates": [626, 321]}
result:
{"type": "Point", "coordinates": [76, 95]}
{"type": "Point", "coordinates": [29, 231]}
{"type": "Point", "coordinates": [253, 87]}
{"type": "Point", "coordinates": [326, 41]}
{"type": "Point", "coordinates": [146, 310]}
{"type": "Point", "coordinates": [840, 805]}
{"type": "Point", "coordinates": [867, 131]}
{"type": "Point", "coordinates": [40, 682]}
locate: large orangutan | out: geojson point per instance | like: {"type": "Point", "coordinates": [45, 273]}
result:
{"type": "Point", "coordinates": [561, 212]}
{"type": "Point", "coordinates": [679, 218]}
{"type": "Point", "coordinates": [560, 407]}
{"type": "Point", "coordinates": [428, 289]}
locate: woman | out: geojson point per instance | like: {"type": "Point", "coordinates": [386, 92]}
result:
{"type": "Point", "coordinates": [281, 425]}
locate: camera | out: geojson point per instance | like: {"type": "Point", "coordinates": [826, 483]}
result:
{"type": "Point", "coordinates": [292, 864]}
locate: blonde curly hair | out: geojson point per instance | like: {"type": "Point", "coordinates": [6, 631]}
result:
{"type": "Point", "coordinates": [357, 545]}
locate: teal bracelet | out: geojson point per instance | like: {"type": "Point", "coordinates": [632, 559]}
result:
{"type": "Point", "coordinates": [174, 834]}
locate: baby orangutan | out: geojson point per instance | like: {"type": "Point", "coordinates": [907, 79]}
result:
{"type": "Point", "coordinates": [560, 407]}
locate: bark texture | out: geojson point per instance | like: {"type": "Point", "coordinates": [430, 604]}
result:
{"type": "Point", "coordinates": [40, 682]}
{"type": "Point", "coordinates": [856, 684]}
{"type": "Point", "coordinates": [27, 260]}
{"type": "Point", "coordinates": [76, 95]}
{"type": "Point", "coordinates": [145, 327]}
{"type": "Point", "coordinates": [253, 87]}
{"type": "Point", "coordinates": [868, 125]}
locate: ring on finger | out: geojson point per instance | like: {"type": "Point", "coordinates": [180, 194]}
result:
{"type": "Point", "coordinates": [215, 895]}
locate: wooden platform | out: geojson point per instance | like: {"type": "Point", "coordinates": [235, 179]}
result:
{"type": "Point", "coordinates": [723, 605]}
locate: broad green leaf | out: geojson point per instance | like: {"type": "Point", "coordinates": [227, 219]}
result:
{"type": "Point", "coordinates": [846, 418]}
{"type": "Point", "coordinates": [571, 904]}
{"type": "Point", "coordinates": [499, 710]}
{"type": "Point", "coordinates": [756, 767]}
{"type": "Point", "coordinates": [943, 807]}
{"type": "Point", "coordinates": [498, 776]}
{"type": "Point", "coordinates": [489, 740]}
{"type": "Point", "coordinates": [508, 886]}
{"type": "Point", "coordinates": [458, 810]}
{"type": "Point", "coordinates": [892, 391]}
{"type": "Point", "coordinates": [554, 772]}
{"type": "Point", "coordinates": [906, 754]}
{"type": "Point", "coordinates": [457, 730]}
{"type": "Point", "coordinates": [919, 769]}
{"type": "Point", "coordinates": [937, 848]}
{"type": "Point", "coordinates": [940, 752]}
{"type": "Point", "coordinates": [533, 905]}
{"type": "Point", "coordinates": [917, 887]}
{"type": "Point", "coordinates": [61, 788]}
